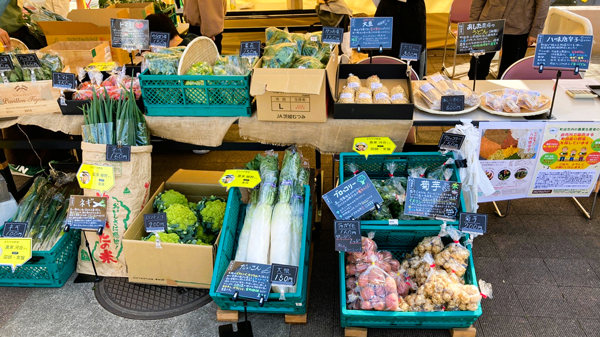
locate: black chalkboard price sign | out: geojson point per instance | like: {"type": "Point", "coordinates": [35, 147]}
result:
{"type": "Point", "coordinates": [347, 236]}
{"type": "Point", "coordinates": [451, 103]}
{"type": "Point", "coordinates": [14, 229]}
{"type": "Point", "coordinates": [155, 222]}
{"type": "Point", "coordinates": [284, 275]}
{"type": "Point", "coordinates": [473, 223]}
{"type": "Point", "coordinates": [118, 153]}
{"type": "Point", "coordinates": [451, 141]}
{"type": "Point", "coordinates": [130, 34]}
{"type": "Point", "coordinates": [250, 281]}
{"type": "Point", "coordinates": [6, 63]}
{"type": "Point", "coordinates": [480, 36]}
{"type": "Point", "coordinates": [28, 61]}
{"type": "Point", "coordinates": [563, 51]}
{"type": "Point", "coordinates": [160, 39]}
{"type": "Point", "coordinates": [353, 198]}
{"type": "Point", "coordinates": [250, 49]}
{"type": "Point", "coordinates": [410, 51]}
{"type": "Point", "coordinates": [332, 35]}
{"type": "Point", "coordinates": [64, 81]}
{"type": "Point", "coordinates": [431, 198]}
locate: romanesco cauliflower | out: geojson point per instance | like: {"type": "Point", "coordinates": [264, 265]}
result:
{"type": "Point", "coordinates": [164, 237]}
{"type": "Point", "coordinates": [208, 239]}
{"type": "Point", "coordinates": [180, 217]}
{"type": "Point", "coordinates": [165, 199]}
{"type": "Point", "coordinates": [213, 214]}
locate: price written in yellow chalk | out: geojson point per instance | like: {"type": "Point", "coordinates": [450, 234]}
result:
{"type": "Point", "coordinates": [373, 146]}
{"type": "Point", "coordinates": [94, 177]}
{"type": "Point", "coordinates": [14, 252]}
{"type": "Point", "coordinates": [240, 178]}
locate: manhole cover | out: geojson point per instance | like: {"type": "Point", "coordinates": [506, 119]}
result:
{"type": "Point", "coordinates": [141, 301]}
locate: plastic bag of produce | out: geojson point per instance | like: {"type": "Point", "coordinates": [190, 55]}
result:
{"type": "Point", "coordinates": [276, 36]}
{"type": "Point", "coordinates": [299, 39]}
{"type": "Point", "coordinates": [377, 289]}
{"type": "Point", "coordinates": [280, 55]}
{"type": "Point", "coordinates": [442, 172]}
{"type": "Point", "coordinates": [308, 62]}
{"type": "Point", "coordinates": [455, 257]}
{"type": "Point", "coordinates": [164, 65]}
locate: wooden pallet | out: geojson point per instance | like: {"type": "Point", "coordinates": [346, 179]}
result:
{"type": "Point", "coordinates": [456, 332]}
{"type": "Point", "coordinates": [233, 315]}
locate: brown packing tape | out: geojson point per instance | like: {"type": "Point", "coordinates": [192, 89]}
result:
{"type": "Point", "coordinates": [171, 283]}
{"type": "Point", "coordinates": [4, 165]}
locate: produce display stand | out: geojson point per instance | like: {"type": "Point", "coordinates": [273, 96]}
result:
{"type": "Point", "coordinates": [295, 304]}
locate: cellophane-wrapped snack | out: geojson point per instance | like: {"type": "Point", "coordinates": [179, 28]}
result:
{"type": "Point", "coordinates": [353, 82]}
{"type": "Point", "coordinates": [398, 95]}
{"type": "Point", "coordinates": [431, 96]}
{"type": "Point", "coordinates": [364, 96]}
{"type": "Point", "coordinates": [443, 84]}
{"type": "Point", "coordinates": [346, 95]}
{"type": "Point", "coordinates": [381, 95]}
{"type": "Point", "coordinates": [373, 82]}
{"type": "Point", "coordinates": [493, 102]}
{"type": "Point", "coordinates": [471, 98]}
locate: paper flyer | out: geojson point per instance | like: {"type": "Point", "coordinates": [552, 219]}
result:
{"type": "Point", "coordinates": [508, 154]}
{"type": "Point", "coordinates": [569, 160]}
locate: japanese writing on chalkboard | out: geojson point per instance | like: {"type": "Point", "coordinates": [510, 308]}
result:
{"type": "Point", "coordinates": [473, 223]}
{"type": "Point", "coordinates": [451, 141]}
{"type": "Point", "coordinates": [64, 81]}
{"type": "Point", "coordinates": [86, 212]}
{"type": "Point", "coordinates": [482, 36]}
{"type": "Point", "coordinates": [432, 198]}
{"type": "Point", "coordinates": [250, 49]}
{"type": "Point", "coordinates": [155, 222]}
{"type": "Point", "coordinates": [410, 51]}
{"type": "Point", "coordinates": [118, 153]}
{"type": "Point", "coordinates": [453, 103]}
{"type": "Point", "coordinates": [28, 61]}
{"type": "Point", "coordinates": [563, 51]}
{"type": "Point", "coordinates": [371, 33]}
{"type": "Point", "coordinates": [332, 35]}
{"type": "Point", "coordinates": [353, 198]}
{"type": "Point", "coordinates": [14, 229]}
{"type": "Point", "coordinates": [284, 275]}
{"type": "Point", "coordinates": [6, 63]}
{"type": "Point", "coordinates": [250, 280]}
{"type": "Point", "coordinates": [130, 34]}
{"type": "Point", "coordinates": [347, 236]}
{"type": "Point", "coordinates": [160, 39]}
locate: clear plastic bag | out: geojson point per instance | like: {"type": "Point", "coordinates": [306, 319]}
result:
{"type": "Point", "coordinates": [378, 290]}
{"type": "Point", "coordinates": [431, 96]}
{"type": "Point", "coordinates": [454, 258]}
{"type": "Point", "coordinates": [493, 102]}
{"type": "Point", "coordinates": [471, 98]}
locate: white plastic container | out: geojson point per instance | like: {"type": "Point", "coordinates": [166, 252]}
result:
{"type": "Point", "coordinates": [7, 209]}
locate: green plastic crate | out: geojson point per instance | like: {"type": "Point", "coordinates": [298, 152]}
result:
{"type": "Point", "coordinates": [294, 303]}
{"type": "Point", "coordinates": [399, 241]}
{"type": "Point", "coordinates": [46, 269]}
{"type": "Point", "coordinates": [218, 96]}
{"type": "Point", "coordinates": [374, 166]}
{"type": "Point", "coordinates": [171, 11]}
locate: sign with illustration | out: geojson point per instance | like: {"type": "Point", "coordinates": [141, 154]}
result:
{"type": "Point", "coordinates": [373, 145]}
{"type": "Point", "coordinates": [240, 178]}
{"type": "Point", "coordinates": [87, 213]}
{"type": "Point", "coordinates": [371, 33]}
{"type": "Point", "coordinates": [563, 51]}
{"type": "Point", "coordinates": [353, 198]}
{"type": "Point", "coordinates": [15, 252]}
{"type": "Point", "coordinates": [96, 177]}
{"type": "Point", "coordinates": [432, 198]}
{"type": "Point", "coordinates": [569, 160]}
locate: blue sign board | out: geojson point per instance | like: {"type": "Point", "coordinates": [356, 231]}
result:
{"type": "Point", "coordinates": [563, 51]}
{"type": "Point", "coordinates": [371, 33]}
{"type": "Point", "coordinates": [353, 198]}
{"type": "Point", "coordinates": [250, 280]}
{"type": "Point", "coordinates": [431, 198]}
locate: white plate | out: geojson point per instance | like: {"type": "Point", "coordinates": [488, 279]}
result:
{"type": "Point", "coordinates": [421, 105]}
{"type": "Point", "coordinates": [545, 108]}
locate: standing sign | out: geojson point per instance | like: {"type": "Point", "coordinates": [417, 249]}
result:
{"type": "Point", "coordinates": [563, 51]}
{"type": "Point", "coordinates": [480, 36]}
{"type": "Point", "coordinates": [6, 63]}
{"type": "Point", "coordinates": [347, 236]}
{"type": "Point", "coordinates": [64, 81]}
{"type": "Point", "coordinates": [451, 141]}
{"type": "Point", "coordinates": [473, 223]}
{"type": "Point", "coordinates": [508, 154]}
{"type": "Point", "coordinates": [240, 178]}
{"type": "Point", "coordinates": [284, 275]}
{"type": "Point", "coordinates": [15, 252]}
{"type": "Point", "coordinates": [453, 103]}
{"type": "Point", "coordinates": [250, 280]}
{"type": "Point", "coordinates": [160, 39]}
{"type": "Point", "coordinates": [250, 49]}
{"type": "Point", "coordinates": [569, 160]}
{"type": "Point", "coordinates": [129, 34]}
{"type": "Point", "coordinates": [432, 198]}
{"type": "Point", "coordinates": [14, 229]}
{"type": "Point", "coordinates": [332, 35]}
{"type": "Point", "coordinates": [371, 33]}
{"type": "Point", "coordinates": [373, 145]}
{"type": "Point", "coordinates": [118, 152]}
{"type": "Point", "coordinates": [87, 213]}
{"type": "Point", "coordinates": [155, 222]}
{"type": "Point", "coordinates": [28, 61]}
{"type": "Point", "coordinates": [410, 51]}
{"type": "Point", "coordinates": [353, 198]}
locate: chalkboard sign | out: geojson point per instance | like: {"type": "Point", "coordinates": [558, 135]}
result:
{"type": "Point", "coordinates": [563, 51]}
{"type": "Point", "coordinates": [347, 236]}
{"type": "Point", "coordinates": [284, 275]}
{"type": "Point", "coordinates": [453, 103]}
{"type": "Point", "coordinates": [6, 63]}
{"type": "Point", "coordinates": [118, 153]}
{"type": "Point", "coordinates": [129, 34]}
{"type": "Point", "coordinates": [451, 141]}
{"type": "Point", "coordinates": [64, 81]}
{"type": "Point", "coordinates": [160, 39]}
{"type": "Point", "coordinates": [251, 281]}
{"type": "Point", "coordinates": [432, 198]}
{"type": "Point", "coordinates": [86, 213]}
{"type": "Point", "coordinates": [480, 36]}
{"type": "Point", "coordinates": [474, 223]}
{"type": "Point", "coordinates": [14, 229]}
{"type": "Point", "coordinates": [371, 33]}
{"type": "Point", "coordinates": [332, 35]}
{"type": "Point", "coordinates": [353, 198]}
{"type": "Point", "coordinates": [28, 61]}
{"type": "Point", "coordinates": [410, 51]}
{"type": "Point", "coordinates": [155, 222]}
{"type": "Point", "coordinates": [250, 49]}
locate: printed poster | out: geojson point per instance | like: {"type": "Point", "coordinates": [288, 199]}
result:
{"type": "Point", "coordinates": [508, 154]}
{"type": "Point", "coordinates": [569, 160]}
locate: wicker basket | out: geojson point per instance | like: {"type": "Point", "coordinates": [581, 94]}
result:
{"type": "Point", "coordinates": [201, 49]}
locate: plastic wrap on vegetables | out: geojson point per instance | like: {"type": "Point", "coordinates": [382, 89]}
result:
{"type": "Point", "coordinates": [165, 65]}
{"type": "Point", "coordinates": [308, 62]}
{"type": "Point", "coordinates": [276, 36]}
{"type": "Point", "coordinates": [200, 68]}
{"type": "Point", "coordinates": [279, 56]}
{"type": "Point", "coordinates": [299, 39]}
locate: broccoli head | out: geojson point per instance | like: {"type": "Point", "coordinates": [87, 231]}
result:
{"type": "Point", "coordinates": [204, 238]}
{"type": "Point", "coordinates": [167, 198]}
{"type": "Point", "coordinates": [180, 217]}
{"type": "Point", "coordinates": [212, 213]}
{"type": "Point", "coordinates": [164, 237]}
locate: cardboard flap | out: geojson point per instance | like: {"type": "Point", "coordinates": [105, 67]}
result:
{"type": "Point", "coordinates": [332, 69]}
{"type": "Point", "coordinates": [292, 81]}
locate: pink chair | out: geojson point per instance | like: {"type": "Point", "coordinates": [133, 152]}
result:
{"type": "Point", "coordinates": [382, 59]}
{"type": "Point", "coordinates": [523, 70]}
{"type": "Point", "coordinates": [459, 12]}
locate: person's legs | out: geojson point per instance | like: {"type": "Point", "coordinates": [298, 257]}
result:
{"type": "Point", "coordinates": [483, 66]}
{"type": "Point", "coordinates": [218, 42]}
{"type": "Point", "coordinates": [514, 48]}
{"type": "Point", "coordinates": [195, 30]}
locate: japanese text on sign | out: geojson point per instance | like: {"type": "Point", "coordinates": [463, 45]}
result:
{"type": "Point", "coordinates": [240, 178]}
{"type": "Point", "coordinates": [410, 51]}
{"type": "Point", "coordinates": [473, 223]}
{"type": "Point", "coordinates": [432, 198]}
{"type": "Point", "coordinates": [332, 35]}
{"type": "Point", "coordinates": [129, 34]}
{"type": "Point", "coordinates": [451, 141]}
{"type": "Point", "coordinates": [86, 212]}
{"type": "Point", "coordinates": [250, 280]}
{"type": "Point", "coordinates": [371, 33]}
{"type": "Point", "coordinates": [353, 198]}
{"type": "Point", "coordinates": [481, 36]}
{"type": "Point", "coordinates": [118, 153]}
{"type": "Point", "coordinates": [94, 177]}
{"type": "Point", "coordinates": [347, 236]}
{"type": "Point", "coordinates": [14, 229]}
{"type": "Point", "coordinates": [373, 146]}
{"type": "Point", "coordinates": [284, 275]}
{"type": "Point", "coordinates": [160, 39]}
{"type": "Point", "coordinates": [155, 222]}
{"type": "Point", "coordinates": [28, 61]}
{"type": "Point", "coordinates": [6, 63]}
{"type": "Point", "coordinates": [15, 252]}
{"type": "Point", "coordinates": [64, 81]}
{"type": "Point", "coordinates": [563, 51]}
{"type": "Point", "coordinates": [250, 49]}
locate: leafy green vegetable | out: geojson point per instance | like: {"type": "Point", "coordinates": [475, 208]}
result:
{"type": "Point", "coordinates": [308, 62]}
{"type": "Point", "coordinates": [276, 36]}
{"type": "Point", "coordinates": [279, 55]}
{"type": "Point", "coordinates": [164, 237]}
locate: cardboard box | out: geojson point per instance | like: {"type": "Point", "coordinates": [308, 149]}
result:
{"type": "Point", "coordinates": [86, 25]}
{"type": "Point", "coordinates": [81, 53]}
{"type": "Point", "coordinates": [167, 266]}
{"type": "Point", "coordinates": [390, 76]}
{"type": "Point", "coordinates": [293, 95]}
{"type": "Point", "coordinates": [138, 11]}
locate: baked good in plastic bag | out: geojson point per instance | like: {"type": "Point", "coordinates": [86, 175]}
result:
{"type": "Point", "coordinates": [471, 98]}
{"type": "Point", "coordinates": [509, 103]}
{"type": "Point", "coordinates": [431, 96]}
{"type": "Point", "coordinates": [493, 102]}
{"type": "Point", "coordinates": [373, 82]}
{"type": "Point", "coordinates": [531, 100]}
{"type": "Point", "coordinates": [363, 95]}
{"type": "Point", "coordinates": [398, 95]}
{"type": "Point", "coordinates": [443, 84]}
{"type": "Point", "coordinates": [346, 95]}
{"type": "Point", "coordinates": [353, 82]}
{"type": "Point", "coordinates": [381, 95]}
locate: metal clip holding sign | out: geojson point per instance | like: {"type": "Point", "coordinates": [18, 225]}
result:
{"type": "Point", "coordinates": [476, 54]}
{"type": "Point", "coordinates": [4, 78]}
